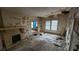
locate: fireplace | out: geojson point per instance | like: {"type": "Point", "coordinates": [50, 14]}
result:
{"type": "Point", "coordinates": [16, 38]}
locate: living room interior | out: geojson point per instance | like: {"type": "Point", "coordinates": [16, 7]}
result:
{"type": "Point", "coordinates": [39, 29]}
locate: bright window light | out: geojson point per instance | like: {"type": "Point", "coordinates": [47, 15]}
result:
{"type": "Point", "coordinates": [54, 25]}
{"type": "Point", "coordinates": [47, 25]}
{"type": "Point", "coordinates": [51, 25]}
{"type": "Point", "coordinates": [31, 24]}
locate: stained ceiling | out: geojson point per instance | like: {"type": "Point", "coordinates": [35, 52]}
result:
{"type": "Point", "coordinates": [36, 11]}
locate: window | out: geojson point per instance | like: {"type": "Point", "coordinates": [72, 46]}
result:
{"type": "Point", "coordinates": [51, 25]}
{"type": "Point", "coordinates": [47, 25]}
{"type": "Point", "coordinates": [54, 24]}
{"type": "Point", "coordinates": [31, 24]}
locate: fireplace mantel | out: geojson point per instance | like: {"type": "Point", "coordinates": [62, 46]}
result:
{"type": "Point", "coordinates": [11, 28]}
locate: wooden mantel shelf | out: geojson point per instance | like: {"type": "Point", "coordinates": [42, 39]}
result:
{"type": "Point", "coordinates": [10, 28]}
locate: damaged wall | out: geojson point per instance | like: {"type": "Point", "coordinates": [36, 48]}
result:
{"type": "Point", "coordinates": [15, 24]}
{"type": "Point", "coordinates": [42, 27]}
{"type": "Point", "coordinates": [62, 24]}
{"type": "Point", "coordinates": [75, 36]}
{"type": "Point", "coordinates": [70, 30]}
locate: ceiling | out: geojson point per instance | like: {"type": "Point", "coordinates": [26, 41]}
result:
{"type": "Point", "coordinates": [36, 11]}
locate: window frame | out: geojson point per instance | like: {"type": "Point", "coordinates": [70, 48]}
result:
{"type": "Point", "coordinates": [47, 25]}
{"type": "Point", "coordinates": [51, 25]}
{"type": "Point", "coordinates": [56, 24]}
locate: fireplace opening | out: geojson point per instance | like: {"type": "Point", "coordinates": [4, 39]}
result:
{"type": "Point", "coordinates": [16, 38]}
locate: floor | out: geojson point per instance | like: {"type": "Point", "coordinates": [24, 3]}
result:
{"type": "Point", "coordinates": [44, 42]}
